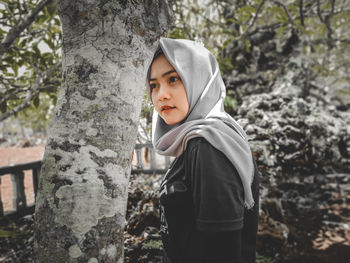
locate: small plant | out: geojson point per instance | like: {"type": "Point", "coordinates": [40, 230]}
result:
{"type": "Point", "coordinates": [17, 234]}
{"type": "Point", "coordinates": [263, 259]}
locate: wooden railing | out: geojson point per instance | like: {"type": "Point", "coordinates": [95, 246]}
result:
{"type": "Point", "coordinates": [154, 166]}
{"type": "Point", "coordinates": [16, 172]}
{"type": "Point", "coordinates": [17, 179]}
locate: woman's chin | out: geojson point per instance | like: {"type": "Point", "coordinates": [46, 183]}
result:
{"type": "Point", "coordinates": [169, 121]}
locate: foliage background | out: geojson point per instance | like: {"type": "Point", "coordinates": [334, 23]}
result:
{"type": "Point", "coordinates": [255, 41]}
{"type": "Point", "coordinates": [31, 64]}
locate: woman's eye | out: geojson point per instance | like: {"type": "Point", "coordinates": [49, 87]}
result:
{"type": "Point", "coordinates": [173, 79]}
{"type": "Point", "coordinates": [153, 86]}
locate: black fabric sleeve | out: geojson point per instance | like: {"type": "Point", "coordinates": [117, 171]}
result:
{"type": "Point", "coordinates": [217, 189]}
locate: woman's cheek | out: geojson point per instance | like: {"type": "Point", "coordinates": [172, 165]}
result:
{"type": "Point", "coordinates": [153, 97]}
{"type": "Point", "coordinates": [155, 102]}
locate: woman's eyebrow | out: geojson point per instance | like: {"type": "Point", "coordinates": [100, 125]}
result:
{"type": "Point", "coordinates": [166, 73]}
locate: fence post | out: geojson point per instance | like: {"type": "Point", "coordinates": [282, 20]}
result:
{"type": "Point", "coordinates": [153, 158]}
{"type": "Point", "coordinates": [139, 158]}
{"type": "Point", "coordinates": [19, 198]}
{"type": "Point", "coordinates": [35, 173]}
{"type": "Point", "coordinates": [1, 207]}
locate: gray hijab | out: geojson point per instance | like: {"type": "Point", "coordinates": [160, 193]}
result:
{"type": "Point", "coordinates": [206, 92]}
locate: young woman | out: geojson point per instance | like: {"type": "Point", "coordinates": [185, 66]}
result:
{"type": "Point", "coordinates": [209, 196]}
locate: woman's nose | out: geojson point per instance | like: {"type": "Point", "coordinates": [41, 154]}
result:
{"type": "Point", "coordinates": [164, 92]}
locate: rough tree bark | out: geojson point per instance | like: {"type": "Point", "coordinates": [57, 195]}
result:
{"type": "Point", "coordinates": [81, 205]}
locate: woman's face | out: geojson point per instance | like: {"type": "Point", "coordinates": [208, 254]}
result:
{"type": "Point", "coordinates": [168, 93]}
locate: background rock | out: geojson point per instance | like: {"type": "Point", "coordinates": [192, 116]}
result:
{"type": "Point", "coordinates": [302, 147]}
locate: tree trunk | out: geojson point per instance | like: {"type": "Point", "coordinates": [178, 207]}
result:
{"type": "Point", "coordinates": [81, 203]}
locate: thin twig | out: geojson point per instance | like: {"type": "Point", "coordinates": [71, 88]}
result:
{"type": "Point", "coordinates": [325, 41]}
{"type": "Point", "coordinates": [253, 22]}
{"type": "Point", "coordinates": [291, 21]}
{"type": "Point", "coordinates": [301, 11]}
{"type": "Point", "coordinates": [18, 29]}
{"type": "Point", "coordinates": [32, 91]}
{"type": "Point", "coordinates": [264, 28]}
{"type": "Point", "coordinates": [328, 24]}
{"type": "Point", "coordinates": [24, 104]}
{"type": "Point", "coordinates": [327, 21]}
{"type": "Point", "coordinates": [319, 11]}
{"type": "Point", "coordinates": [11, 93]}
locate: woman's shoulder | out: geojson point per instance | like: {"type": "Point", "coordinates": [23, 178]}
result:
{"type": "Point", "coordinates": [198, 143]}
{"type": "Point", "coordinates": [200, 150]}
{"type": "Point", "coordinates": [210, 161]}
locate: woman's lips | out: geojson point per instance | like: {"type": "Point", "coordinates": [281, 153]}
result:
{"type": "Point", "coordinates": [167, 108]}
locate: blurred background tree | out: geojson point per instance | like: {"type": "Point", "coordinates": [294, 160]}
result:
{"type": "Point", "coordinates": [30, 35]}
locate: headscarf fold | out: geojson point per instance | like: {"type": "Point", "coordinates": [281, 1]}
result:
{"type": "Point", "coordinates": [200, 74]}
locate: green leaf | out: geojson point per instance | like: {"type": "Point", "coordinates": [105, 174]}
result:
{"type": "Point", "coordinates": [225, 64]}
{"type": "Point", "coordinates": [302, 29]}
{"type": "Point", "coordinates": [322, 29]}
{"type": "Point", "coordinates": [49, 43]}
{"type": "Point", "coordinates": [36, 101]}
{"type": "Point", "coordinates": [56, 29]}
{"type": "Point", "coordinates": [22, 43]}
{"type": "Point", "coordinates": [3, 107]}
{"type": "Point", "coordinates": [263, 259]}
{"type": "Point", "coordinates": [281, 16]}
{"type": "Point", "coordinates": [14, 67]}
{"type": "Point", "coordinates": [232, 20]}
{"type": "Point", "coordinates": [2, 32]}
{"type": "Point", "coordinates": [54, 99]}
{"type": "Point", "coordinates": [51, 9]}
{"type": "Point", "coordinates": [247, 45]}
{"type": "Point", "coordinates": [6, 233]}
{"type": "Point", "coordinates": [230, 102]}
{"type": "Point", "coordinates": [226, 42]}
{"type": "Point", "coordinates": [245, 16]}
{"type": "Point", "coordinates": [57, 22]}
{"type": "Point", "coordinates": [177, 33]}
{"type": "Point", "coordinates": [328, 5]}
{"type": "Point", "coordinates": [248, 9]}
{"type": "Point", "coordinates": [36, 50]}
{"type": "Point", "coordinates": [9, 74]}
{"type": "Point", "coordinates": [281, 30]}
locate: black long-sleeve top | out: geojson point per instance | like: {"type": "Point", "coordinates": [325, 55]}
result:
{"type": "Point", "coordinates": [203, 218]}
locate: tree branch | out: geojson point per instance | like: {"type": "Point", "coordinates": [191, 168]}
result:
{"type": "Point", "coordinates": [264, 28]}
{"type": "Point", "coordinates": [319, 11]}
{"type": "Point", "coordinates": [25, 103]}
{"type": "Point", "coordinates": [326, 41]}
{"type": "Point", "coordinates": [286, 11]}
{"type": "Point", "coordinates": [18, 29]}
{"type": "Point", "coordinates": [32, 91]}
{"type": "Point", "coordinates": [311, 14]}
{"type": "Point", "coordinates": [253, 22]}
{"type": "Point", "coordinates": [301, 11]}
{"type": "Point", "coordinates": [12, 92]}
{"type": "Point", "coordinates": [328, 25]}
